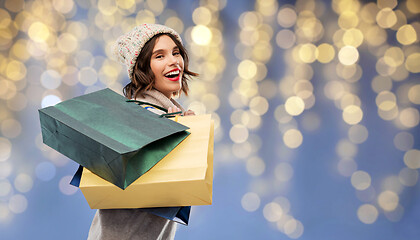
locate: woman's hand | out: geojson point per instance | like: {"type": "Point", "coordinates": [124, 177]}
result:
{"type": "Point", "coordinates": [173, 109]}
{"type": "Point", "coordinates": [189, 113]}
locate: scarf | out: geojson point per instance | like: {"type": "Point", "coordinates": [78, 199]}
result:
{"type": "Point", "coordinates": [153, 96]}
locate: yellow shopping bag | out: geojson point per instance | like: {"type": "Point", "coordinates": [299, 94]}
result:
{"type": "Point", "coordinates": [184, 177]}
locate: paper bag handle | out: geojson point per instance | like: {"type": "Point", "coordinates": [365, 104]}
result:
{"type": "Point", "coordinates": [166, 114]}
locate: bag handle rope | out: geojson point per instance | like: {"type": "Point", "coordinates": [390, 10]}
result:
{"type": "Point", "coordinates": [166, 114]}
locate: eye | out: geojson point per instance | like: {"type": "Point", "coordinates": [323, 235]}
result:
{"type": "Point", "coordinates": [176, 53]}
{"type": "Point", "coordinates": [159, 56]}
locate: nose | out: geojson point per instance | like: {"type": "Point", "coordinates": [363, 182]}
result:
{"type": "Point", "coordinates": [174, 60]}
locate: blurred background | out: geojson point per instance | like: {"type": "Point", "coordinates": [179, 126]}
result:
{"type": "Point", "coordinates": [316, 109]}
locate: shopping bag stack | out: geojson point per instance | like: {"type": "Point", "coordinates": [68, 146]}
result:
{"type": "Point", "coordinates": [131, 157]}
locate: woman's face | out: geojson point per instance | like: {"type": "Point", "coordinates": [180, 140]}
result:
{"type": "Point", "coordinates": [167, 66]}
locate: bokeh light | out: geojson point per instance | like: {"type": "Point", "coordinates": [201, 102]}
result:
{"type": "Point", "coordinates": [250, 202]}
{"type": "Point", "coordinates": [367, 213]}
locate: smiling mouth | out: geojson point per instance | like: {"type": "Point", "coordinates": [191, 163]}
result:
{"type": "Point", "coordinates": [173, 75]}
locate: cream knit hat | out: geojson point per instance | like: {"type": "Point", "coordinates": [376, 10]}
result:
{"type": "Point", "coordinates": [128, 46]}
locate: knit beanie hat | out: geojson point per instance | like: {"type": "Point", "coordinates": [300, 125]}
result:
{"type": "Point", "coordinates": [128, 46]}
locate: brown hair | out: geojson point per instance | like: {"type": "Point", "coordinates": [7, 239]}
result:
{"type": "Point", "coordinates": [143, 77]}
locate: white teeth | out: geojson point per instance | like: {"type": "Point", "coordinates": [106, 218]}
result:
{"type": "Point", "coordinates": [176, 72]}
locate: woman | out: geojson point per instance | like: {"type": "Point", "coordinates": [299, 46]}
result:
{"type": "Point", "coordinates": [157, 64]}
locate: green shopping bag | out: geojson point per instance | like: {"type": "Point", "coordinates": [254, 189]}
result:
{"type": "Point", "coordinates": [117, 140]}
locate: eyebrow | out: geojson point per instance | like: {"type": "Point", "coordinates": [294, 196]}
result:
{"type": "Point", "coordinates": [162, 50]}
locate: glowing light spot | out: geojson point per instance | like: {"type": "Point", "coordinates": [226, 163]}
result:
{"type": "Point", "coordinates": [88, 76]}
{"type": "Point", "coordinates": [156, 6]}
{"type": "Point", "coordinates": [126, 4]}
{"type": "Point", "coordinates": [255, 166]}
{"type": "Point", "coordinates": [409, 117]}
{"type": "Point", "coordinates": [386, 100]}
{"type": "Point", "coordinates": [67, 43]}
{"type": "Point", "coordinates": [406, 34]}
{"type": "Point", "coordinates": [346, 167]}
{"type": "Point", "coordinates": [325, 53]}
{"type": "Point", "coordinates": [211, 101]}
{"type": "Point", "coordinates": [412, 159]}
{"type": "Point", "coordinates": [286, 17]}
{"type": "Point", "coordinates": [360, 180]}
{"type": "Point", "coordinates": [376, 36]}
{"type": "Point", "coordinates": [281, 115]}
{"type": "Point", "coordinates": [396, 215]}
{"type": "Point", "coordinates": [247, 69]}
{"type": "Point", "coordinates": [381, 83]}
{"type": "Point", "coordinates": [201, 16]}
{"type": "Point", "coordinates": [201, 35]}
{"type": "Point", "coordinates": [307, 53]}
{"type": "Point", "coordinates": [293, 228]}
{"type": "Point", "coordinates": [145, 16]}
{"type": "Point", "coordinates": [334, 90]}
{"type": "Point", "coordinates": [369, 12]}
{"type": "Point", "coordinates": [348, 55]}
{"type": "Point", "coordinates": [353, 37]}
{"type": "Point", "coordinates": [18, 203]}
{"type": "Point", "coordinates": [394, 56]}
{"type": "Point", "coordinates": [303, 89]}
{"type": "Point", "coordinates": [258, 105]}
{"type": "Point", "coordinates": [5, 169]}
{"type": "Point", "coordinates": [413, 6]}
{"type": "Point", "coordinates": [63, 6]}
{"type": "Point", "coordinates": [352, 114]}
{"type": "Point", "coordinates": [388, 200]}
{"type": "Point", "coordinates": [414, 94]}
{"type": "Point", "coordinates": [387, 3]}
{"type": "Point", "coordinates": [383, 68]}
{"type": "Point", "coordinates": [50, 100]}
{"type": "Point", "coordinates": [412, 63]}
{"type": "Point", "coordinates": [50, 79]}
{"type": "Point", "coordinates": [348, 19]}
{"type": "Point", "coordinates": [386, 18]}
{"type": "Point", "coordinates": [346, 149]}
{"type": "Point", "coordinates": [11, 128]}
{"type": "Point", "coordinates": [388, 114]}
{"type": "Point", "coordinates": [283, 172]}
{"type": "Point", "coordinates": [5, 149]}
{"type": "Point", "coordinates": [15, 70]}
{"type": "Point", "coordinates": [65, 187]}
{"type": "Point", "coordinates": [107, 7]}
{"type": "Point", "coordinates": [5, 188]}
{"type": "Point", "coordinates": [23, 183]}
{"type": "Point", "coordinates": [404, 141]}
{"type": "Point", "coordinates": [238, 133]}
{"type": "Point", "coordinates": [197, 107]}
{"type": "Point", "coordinates": [38, 32]}
{"type": "Point", "coordinates": [250, 20]}
{"type": "Point", "coordinates": [272, 212]}
{"type": "Point", "coordinates": [367, 213]}
{"type": "Point", "coordinates": [292, 138]}
{"type": "Point", "coordinates": [285, 39]}
{"type": "Point", "coordinates": [4, 211]}
{"type": "Point", "coordinates": [45, 171]}
{"type": "Point", "coordinates": [250, 202]}
{"type": "Point", "coordinates": [14, 5]}
{"type": "Point", "coordinates": [294, 105]}
{"type": "Point", "coordinates": [408, 177]}
{"type": "Point", "coordinates": [358, 133]}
